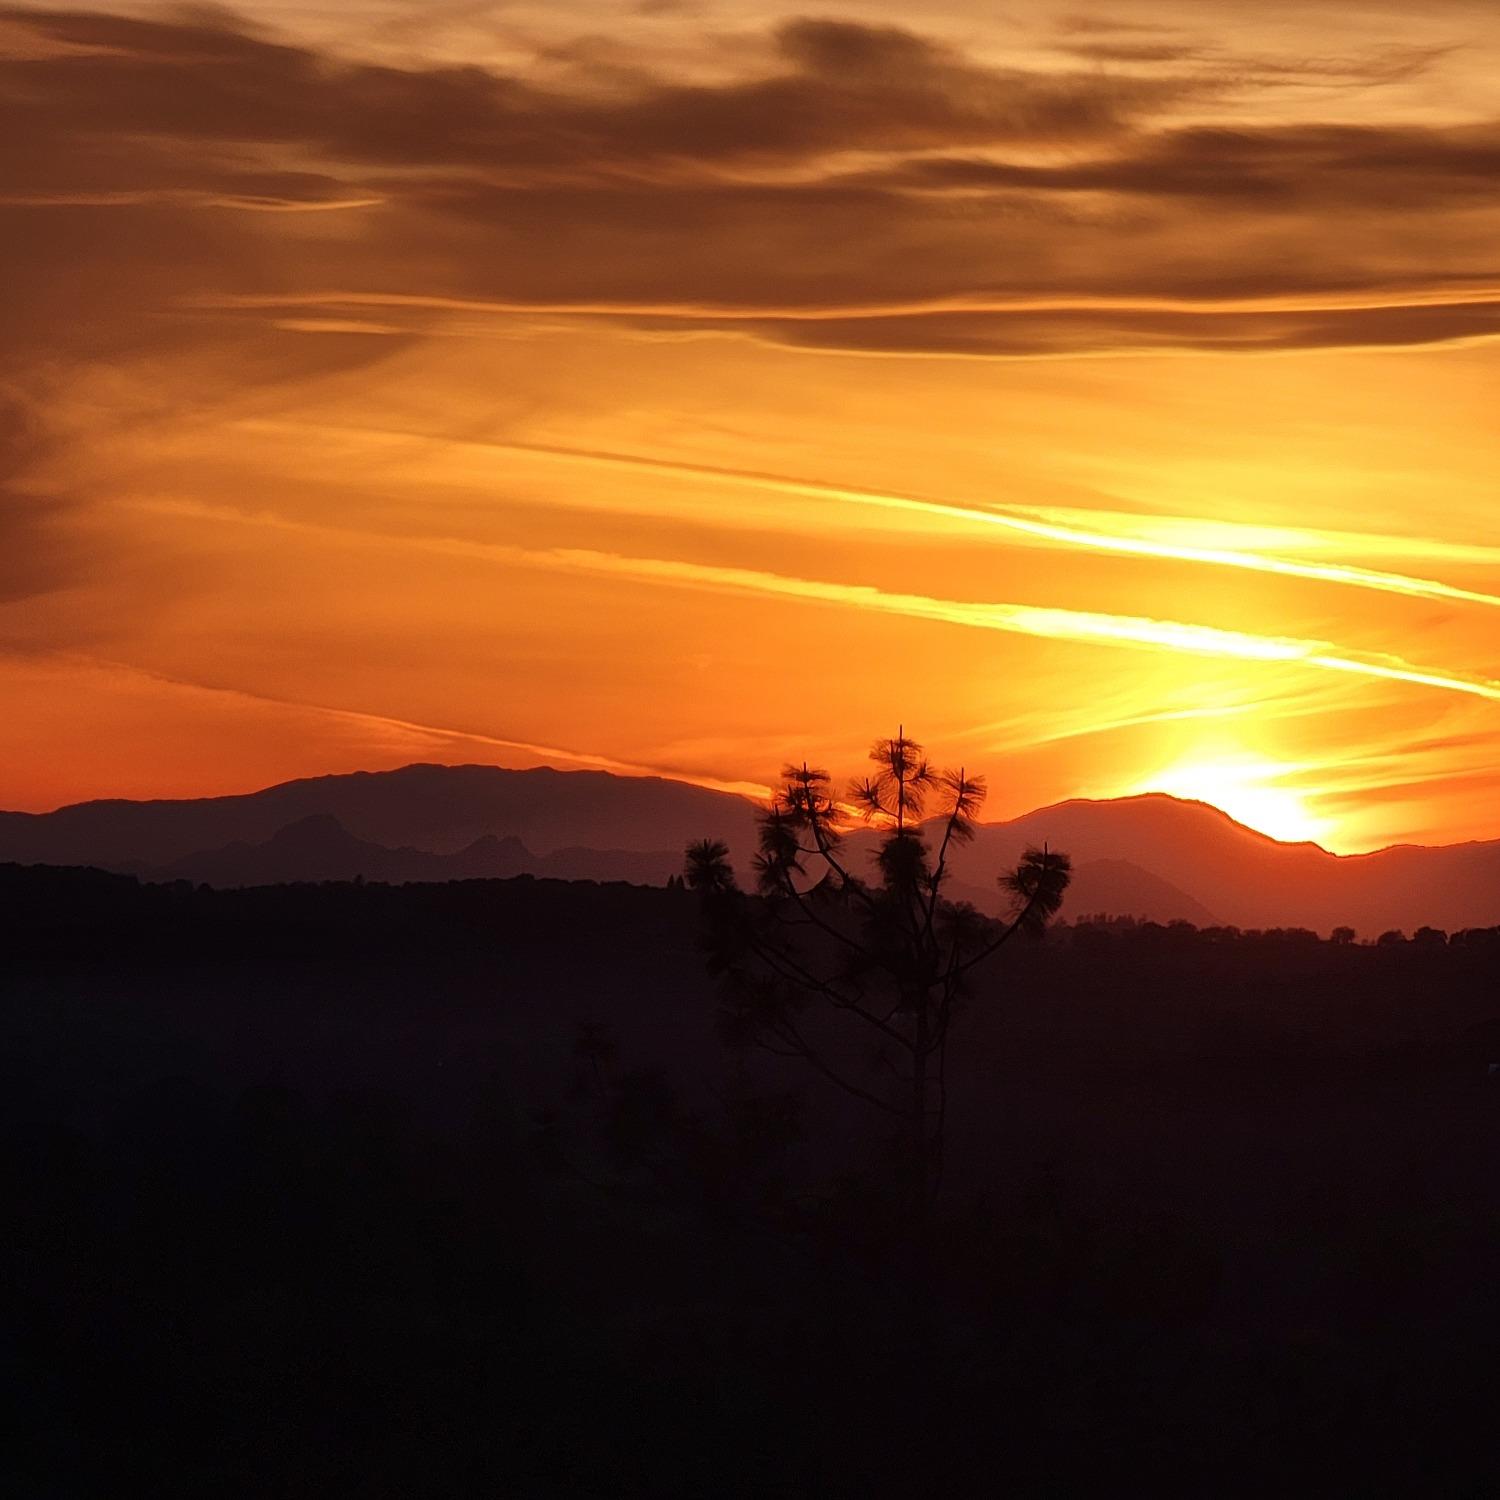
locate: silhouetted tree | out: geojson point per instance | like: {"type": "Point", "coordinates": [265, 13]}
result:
{"type": "Point", "coordinates": [1342, 936]}
{"type": "Point", "coordinates": [893, 954]}
{"type": "Point", "coordinates": [595, 1047]}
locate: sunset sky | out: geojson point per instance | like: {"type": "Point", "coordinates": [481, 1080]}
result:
{"type": "Point", "coordinates": [1107, 392]}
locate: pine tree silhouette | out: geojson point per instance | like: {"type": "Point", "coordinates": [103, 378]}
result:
{"type": "Point", "coordinates": [893, 955]}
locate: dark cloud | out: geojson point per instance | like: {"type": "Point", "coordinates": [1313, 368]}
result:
{"type": "Point", "coordinates": [138, 160]}
{"type": "Point", "coordinates": [178, 227]}
{"type": "Point", "coordinates": [1089, 330]}
{"type": "Point", "coordinates": [1239, 70]}
{"type": "Point", "coordinates": [1096, 25]}
{"type": "Point", "coordinates": [1315, 165]}
{"type": "Point", "coordinates": [830, 86]}
{"type": "Point", "coordinates": [1134, 52]}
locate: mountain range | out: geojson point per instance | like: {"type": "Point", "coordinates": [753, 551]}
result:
{"type": "Point", "coordinates": [1153, 856]}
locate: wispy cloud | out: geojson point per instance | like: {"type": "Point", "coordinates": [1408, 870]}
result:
{"type": "Point", "coordinates": [361, 218]}
{"type": "Point", "coordinates": [423, 737]}
{"type": "Point", "coordinates": [852, 186]}
{"type": "Point", "coordinates": [1082, 626]}
{"type": "Point", "coordinates": [1156, 537]}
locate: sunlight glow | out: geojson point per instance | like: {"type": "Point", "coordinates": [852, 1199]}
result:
{"type": "Point", "coordinates": [1250, 789]}
{"type": "Point", "coordinates": [1089, 626]}
{"type": "Point", "coordinates": [1100, 388]}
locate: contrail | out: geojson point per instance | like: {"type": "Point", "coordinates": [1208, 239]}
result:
{"type": "Point", "coordinates": [1019, 522]}
{"type": "Point", "coordinates": [1033, 620]}
{"type": "Point", "coordinates": [1018, 619]}
{"type": "Point", "coordinates": [1069, 536]}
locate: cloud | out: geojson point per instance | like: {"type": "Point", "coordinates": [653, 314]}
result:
{"type": "Point", "coordinates": [980, 326]}
{"type": "Point", "coordinates": [1376, 67]}
{"type": "Point", "coordinates": [1080, 23]}
{"type": "Point", "coordinates": [848, 170]}
{"type": "Point", "coordinates": [204, 224]}
{"type": "Point", "coordinates": [826, 86]}
{"type": "Point", "coordinates": [1316, 165]}
{"type": "Point", "coordinates": [423, 737]}
{"type": "Point", "coordinates": [193, 210]}
{"type": "Point", "coordinates": [1160, 538]}
{"type": "Point", "coordinates": [36, 554]}
{"type": "Point", "coordinates": [1094, 330]}
{"type": "Point", "coordinates": [1087, 627]}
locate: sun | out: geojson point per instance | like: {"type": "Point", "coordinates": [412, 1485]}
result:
{"type": "Point", "coordinates": [1252, 790]}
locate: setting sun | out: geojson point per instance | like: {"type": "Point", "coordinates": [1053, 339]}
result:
{"type": "Point", "coordinates": [572, 572]}
{"type": "Point", "coordinates": [670, 388]}
{"type": "Point", "coordinates": [1252, 791]}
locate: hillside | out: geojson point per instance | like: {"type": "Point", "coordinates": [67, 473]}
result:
{"type": "Point", "coordinates": [329, 1158]}
{"type": "Point", "coordinates": [1151, 856]}
{"type": "Point", "coordinates": [441, 809]}
{"type": "Point", "coordinates": [1251, 880]}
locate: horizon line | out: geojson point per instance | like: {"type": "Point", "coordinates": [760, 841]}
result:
{"type": "Point", "coordinates": [620, 771]}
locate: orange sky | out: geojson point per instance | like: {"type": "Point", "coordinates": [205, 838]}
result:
{"type": "Point", "coordinates": [1105, 391]}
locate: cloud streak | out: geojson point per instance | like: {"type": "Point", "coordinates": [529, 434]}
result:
{"type": "Point", "coordinates": [421, 733]}
{"type": "Point", "coordinates": [1057, 624]}
{"type": "Point", "coordinates": [650, 237]}
{"type": "Point", "coordinates": [1035, 525]}
{"type": "Point", "coordinates": [852, 186]}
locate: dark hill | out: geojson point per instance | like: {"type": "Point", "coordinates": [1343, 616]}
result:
{"type": "Point", "coordinates": [1151, 856]}
{"type": "Point", "coordinates": [1250, 880]}
{"type": "Point", "coordinates": [442, 809]}
{"type": "Point", "coordinates": [312, 1190]}
{"type": "Point", "coordinates": [319, 848]}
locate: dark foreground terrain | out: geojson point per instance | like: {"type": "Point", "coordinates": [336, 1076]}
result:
{"type": "Point", "coordinates": [453, 1190]}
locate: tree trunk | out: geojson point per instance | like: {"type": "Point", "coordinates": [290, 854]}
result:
{"type": "Point", "coordinates": [920, 1166]}
{"type": "Point", "coordinates": [917, 1252]}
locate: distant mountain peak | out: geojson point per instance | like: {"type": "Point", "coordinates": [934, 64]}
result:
{"type": "Point", "coordinates": [314, 828]}
{"type": "Point", "coordinates": [1190, 805]}
{"type": "Point", "coordinates": [492, 843]}
{"type": "Point", "coordinates": [1143, 854]}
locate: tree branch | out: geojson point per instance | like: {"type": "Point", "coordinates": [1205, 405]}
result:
{"type": "Point", "coordinates": [850, 883]}
{"type": "Point", "coordinates": [827, 927]}
{"type": "Point", "coordinates": [1000, 941]}
{"type": "Point", "coordinates": [804, 1050]}
{"type": "Point", "coordinates": [942, 865]}
{"type": "Point", "coordinates": [824, 987]}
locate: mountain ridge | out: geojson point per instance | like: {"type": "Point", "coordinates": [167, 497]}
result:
{"type": "Point", "coordinates": [1210, 808]}
{"type": "Point", "coordinates": [1192, 859]}
{"type": "Point", "coordinates": [319, 848]}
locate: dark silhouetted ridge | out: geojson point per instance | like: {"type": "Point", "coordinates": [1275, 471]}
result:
{"type": "Point", "coordinates": [1150, 856]}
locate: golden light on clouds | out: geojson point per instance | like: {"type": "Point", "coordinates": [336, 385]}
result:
{"type": "Point", "coordinates": [1107, 392]}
